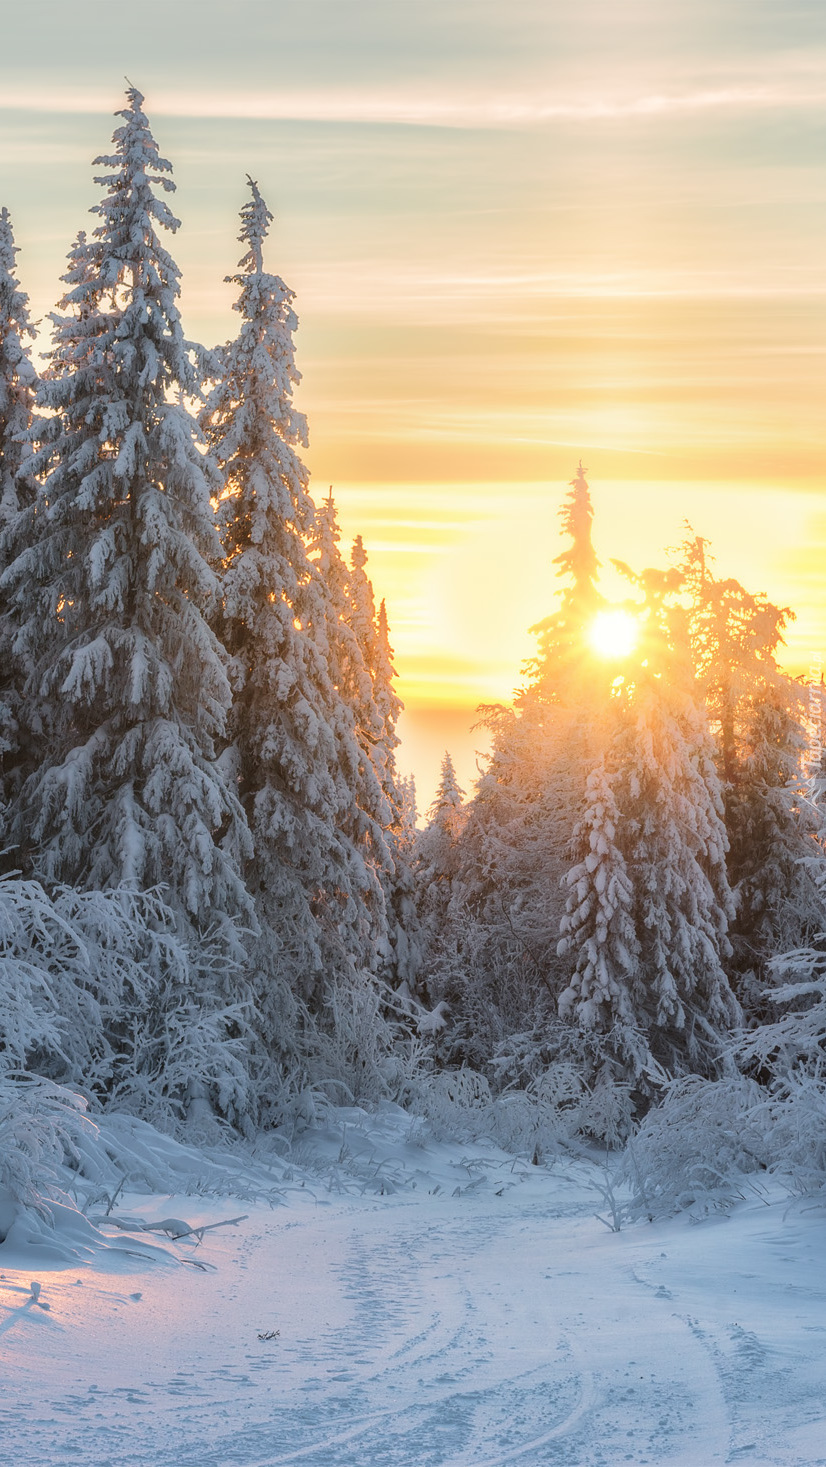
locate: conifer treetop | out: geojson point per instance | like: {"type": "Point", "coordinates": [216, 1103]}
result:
{"type": "Point", "coordinates": [579, 561]}
{"type": "Point", "coordinates": [363, 602]}
{"type": "Point", "coordinates": [254, 429]}
{"type": "Point", "coordinates": [130, 210]}
{"type": "Point", "coordinates": [389, 703]}
{"type": "Point", "coordinates": [449, 798]}
{"type": "Point", "coordinates": [256, 219]}
{"type": "Point", "coordinates": [358, 557]}
{"type": "Point", "coordinates": [348, 669]}
{"type": "Point", "coordinates": [560, 662]}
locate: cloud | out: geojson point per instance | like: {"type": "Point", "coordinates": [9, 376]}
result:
{"type": "Point", "coordinates": [801, 88]}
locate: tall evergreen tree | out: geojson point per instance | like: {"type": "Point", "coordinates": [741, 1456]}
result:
{"type": "Point", "coordinates": [112, 594]}
{"type": "Point", "coordinates": [18, 383]}
{"type": "Point", "coordinates": [389, 704]}
{"type": "Point", "coordinates": [350, 672]}
{"type": "Point", "coordinates": [298, 757]}
{"type": "Point", "coordinates": [361, 618]}
{"type": "Point", "coordinates": [757, 712]}
{"type": "Point", "coordinates": [735, 637]}
{"type": "Point", "coordinates": [674, 842]}
{"type": "Point", "coordinates": [658, 966]}
{"type": "Point", "coordinates": [404, 934]}
{"type": "Point", "coordinates": [441, 921]}
{"type": "Point", "coordinates": [360, 645]}
{"type": "Point", "coordinates": [514, 849]}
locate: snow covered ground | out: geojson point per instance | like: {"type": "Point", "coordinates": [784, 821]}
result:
{"type": "Point", "coordinates": [404, 1302]}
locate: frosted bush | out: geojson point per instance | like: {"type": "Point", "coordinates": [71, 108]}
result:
{"type": "Point", "coordinates": [554, 1110]}
{"type": "Point", "coordinates": [99, 991]}
{"type": "Point", "coordinates": [58, 1162]}
{"type": "Point", "coordinates": [463, 1088]}
{"type": "Point", "coordinates": [42, 1127]}
{"type": "Point", "coordinates": [606, 1110]}
{"type": "Point", "coordinates": [47, 1007]}
{"type": "Point", "coordinates": [361, 1047]}
{"type": "Point", "coordinates": [701, 1148]}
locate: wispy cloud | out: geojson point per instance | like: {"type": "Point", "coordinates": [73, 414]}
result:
{"type": "Point", "coordinates": [407, 292]}
{"type": "Point", "coordinates": [425, 108]}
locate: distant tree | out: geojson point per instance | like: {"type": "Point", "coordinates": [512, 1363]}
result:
{"type": "Point", "coordinates": [675, 845]}
{"type": "Point", "coordinates": [112, 591]}
{"type": "Point", "coordinates": [437, 847]}
{"type": "Point", "coordinates": [389, 706]}
{"type": "Point", "coordinates": [409, 808]}
{"type": "Point", "coordinates": [362, 602]}
{"type": "Point", "coordinates": [516, 845]}
{"type": "Point", "coordinates": [773, 827]}
{"type": "Point", "coordinates": [558, 666]}
{"type": "Point", "coordinates": [578, 563]}
{"type": "Point", "coordinates": [374, 701]}
{"type": "Point", "coordinates": [404, 934]}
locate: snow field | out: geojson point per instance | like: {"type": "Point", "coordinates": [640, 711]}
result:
{"type": "Point", "coordinates": [477, 1316]}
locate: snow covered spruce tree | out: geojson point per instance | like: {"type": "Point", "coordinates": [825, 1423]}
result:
{"type": "Point", "coordinates": [598, 925]}
{"type": "Point", "coordinates": [111, 595]}
{"type": "Point", "coordinates": [757, 713]}
{"type": "Point", "coordinates": [646, 925]}
{"type": "Point", "coordinates": [299, 763]}
{"type": "Point", "coordinates": [514, 848]}
{"type": "Point", "coordinates": [18, 383]}
{"type": "Point", "coordinates": [351, 676]}
{"type": "Point", "coordinates": [378, 716]}
{"type": "Point", "coordinates": [390, 706]}
{"type": "Point", "coordinates": [377, 722]}
{"type": "Point", "coordinates": [437, 853]}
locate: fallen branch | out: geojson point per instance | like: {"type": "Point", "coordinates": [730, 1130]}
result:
{"type": "Point", "coordinates": [172, 1226]}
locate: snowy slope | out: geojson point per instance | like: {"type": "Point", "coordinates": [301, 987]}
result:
{"type": "Point", "coordinates": [476, 1315]}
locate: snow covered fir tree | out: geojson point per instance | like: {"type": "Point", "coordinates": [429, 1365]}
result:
{"type": "Point", "coordinates": [217, 908]}
{"type": "Point", "coordinates": [186, 746]}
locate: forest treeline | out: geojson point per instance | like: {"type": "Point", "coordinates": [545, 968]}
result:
{"type": "Point", "coordinates": [216, 906]}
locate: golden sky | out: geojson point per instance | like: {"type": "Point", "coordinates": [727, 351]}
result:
{"type": "Point", "coordinates": [518, 237]}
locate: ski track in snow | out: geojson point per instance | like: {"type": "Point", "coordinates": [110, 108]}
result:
{"type": "Point", "coordinates": [431, 1331]}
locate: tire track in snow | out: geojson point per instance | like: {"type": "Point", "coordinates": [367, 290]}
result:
{"type": "Point", "coordinates": [563, 1428]}
{"type": "Point", "coordinates": [441, 1352]}
{"type": "Point", "coordinates": [458, 1333]}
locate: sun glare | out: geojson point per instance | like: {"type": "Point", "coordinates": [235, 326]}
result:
{"type": "Point", "coordinates": [613, 634]}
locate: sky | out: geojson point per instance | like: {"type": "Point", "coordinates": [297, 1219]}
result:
{"type": "Point", "coordinates": [519, 235]}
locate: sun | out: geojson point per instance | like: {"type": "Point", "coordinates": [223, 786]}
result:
{"type": "Point", "coordinates": [613, 634]}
